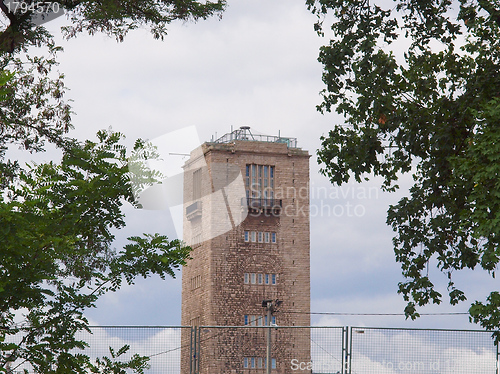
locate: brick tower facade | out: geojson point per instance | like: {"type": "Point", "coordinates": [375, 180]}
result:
{"type": "Point", "coordinates": [246, 204]}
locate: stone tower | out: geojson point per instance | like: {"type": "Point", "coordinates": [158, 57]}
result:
{"type": "Point", "coordinates": [246, 205]}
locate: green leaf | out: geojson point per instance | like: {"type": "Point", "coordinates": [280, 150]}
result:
{"type": "Point", "coordinates": [432, 110]}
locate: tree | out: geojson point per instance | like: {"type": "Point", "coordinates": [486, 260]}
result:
{"type": "Point", "coordinates": [114, 18]}
{"type": "Point", "coordinates": [433, 111]}
{"type": "Point", "coordinates": [34, 83]}
{"type": "Point", "coordinates": [57, 257]}
{"type": "Point", "coordinates": [35, 111]}
{"type": "Point", "coordinates": [56, 219]}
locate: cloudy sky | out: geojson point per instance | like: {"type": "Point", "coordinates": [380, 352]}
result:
{"type": "Point", "coordinates": [257, 67]}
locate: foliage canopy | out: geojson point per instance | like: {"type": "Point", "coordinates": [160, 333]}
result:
{"type": "Point", "coordinates": [57, 219]}
{"type": "Point", "coordinates": [57, 257]}
{"type": "Point", "coordinates": [419, 85]}
{"type": "Point", "coordinates": [113, 18]}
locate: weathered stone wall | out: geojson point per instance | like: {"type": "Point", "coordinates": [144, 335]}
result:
{"type": "Point", "coordinates": [219, 263]}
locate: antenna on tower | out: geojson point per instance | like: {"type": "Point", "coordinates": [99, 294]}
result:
{"type": "Point", "coordinates": [244, 135]}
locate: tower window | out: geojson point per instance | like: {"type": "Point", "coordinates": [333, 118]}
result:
{"type": "Point", "coordinates": [256, 320]}
{"type": "Point", "coordinates": [258, 278]}
{"type": "Point", "coordinates": [196, 282]}
{"type": "Point", "coordinates": [259, 237]}
{"type": "Point", "coordinates": [273, 320]}
{"type": "Point", "coordinates": [197, 184]}
{"type": "Point", "coordinates": [195, 321]}
{"type": "Point", "coordinates": [257, 363]}
{"type": "Point", "coordinates": [259, 181]}
{"type": "Point", "coordinates": [253, 320]}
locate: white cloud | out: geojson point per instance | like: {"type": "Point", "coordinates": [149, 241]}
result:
{"type": "Point", "coordinates": [258, 67]}
{"type": "Point", "coordinates": [374, 351]}
{"type": "Point", "coordinates": [421, 352]}
{"type": "Point", "coordinates": [161, 345]}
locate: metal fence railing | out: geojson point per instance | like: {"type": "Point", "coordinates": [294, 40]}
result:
{"type": "Point", "coordinates": [244, 134]}
{"type": "Point", "coordinates": [293, 349]}
{"type": "Point", "coordinates": [311, 349]}
{"type": "Point", "coordinates": [419, 351]}
{"type": "Point", "coordinates": [162, 345]}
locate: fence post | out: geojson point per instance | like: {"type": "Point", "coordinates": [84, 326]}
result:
{"type": "Point", "coordinates": [197, 337]}
{"type": "Point", "coordinates": [344, 348]}
{"type": "Point", "coordinates": [346, 357]}
{"type": "Point", "coordinates": [350, 351]}
{"type": "Point", "coordinates": [191, 351]}
{"type": "Point", "coordinates": [194, 350]}
{"type": "Point", "coordinates": [268, 347]}
{"type": "Point", "coordinates": [498, 357]}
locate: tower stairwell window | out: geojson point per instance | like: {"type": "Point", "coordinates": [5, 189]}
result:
{"type": "Point", "coordinates": [259, 185]}
{"type": "Point", "coordinates": [194, 209]}
{"type": "Point", "coordinates": [197, 184]}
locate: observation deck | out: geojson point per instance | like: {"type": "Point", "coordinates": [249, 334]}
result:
{"type": "Point", "coordinates": [244, 133]}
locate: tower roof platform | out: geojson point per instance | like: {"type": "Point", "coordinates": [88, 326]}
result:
{"type": "Point", "coordinates": [244, 134]}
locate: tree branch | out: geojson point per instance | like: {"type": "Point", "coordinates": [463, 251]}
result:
{"type": "Point", "coordinates": [493, 12]}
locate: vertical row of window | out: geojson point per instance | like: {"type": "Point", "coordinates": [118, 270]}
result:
{"type": "Point", "coordinates": [197, 184]}
{"type": "Point", "coordinates": [259, 181]}
{"type": "Point", "coordinates": [257, 278]}
{"type": "Point", "coordinates": [196, 231]}
{"type": "Point", "coordinates": [196, 239]}
{"type": "Point", "coordinates": [196, 282]}
{"type": "Point", "coordinates": [195, 321]}
{"type": "Point", "coordinates": [260, 237]}
{"type": "Point", "coordinates": [257, 363]}
{"type": "Point", "coordinates": [256, 320]}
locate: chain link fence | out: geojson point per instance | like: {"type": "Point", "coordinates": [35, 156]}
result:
{"type": "Point", "coordinates": [160, 344]}
{"type": "Point", "coordinates": [293, 349]}
{"type": "Point", "coordinates": [418, 351]}
{"type": "Point", "coordinates": [321, 350]}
